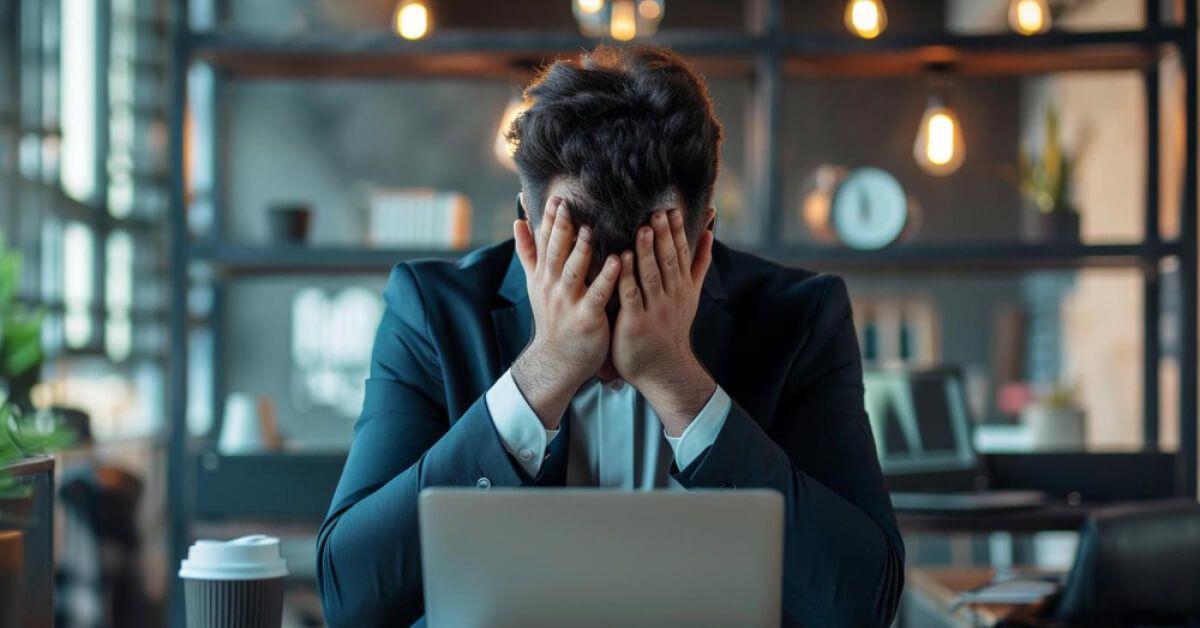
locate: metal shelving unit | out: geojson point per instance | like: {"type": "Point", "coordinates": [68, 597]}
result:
{"type": "Point", "coordinates": [768, 55]}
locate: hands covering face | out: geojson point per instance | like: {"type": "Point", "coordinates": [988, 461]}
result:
{"type": "Point", "coordinates": [571, 328]}
{"type": "Point", "coordinates": [659, 286]}
{"type": "Point", "coordinates": [660, 290]}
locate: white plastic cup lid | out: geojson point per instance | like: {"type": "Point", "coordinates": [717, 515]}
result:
{"type": "Point", "coordinates": [248, 558]}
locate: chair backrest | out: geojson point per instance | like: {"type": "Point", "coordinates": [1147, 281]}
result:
{"type": "Point", "coordinates": [1136, 563]}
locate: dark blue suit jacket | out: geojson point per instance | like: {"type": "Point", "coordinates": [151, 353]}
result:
{"type": "Point", "coordinates": [780, 341]}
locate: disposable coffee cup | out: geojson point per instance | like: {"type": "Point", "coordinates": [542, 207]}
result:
{"type": "Point", "coordinates": [234, 584]}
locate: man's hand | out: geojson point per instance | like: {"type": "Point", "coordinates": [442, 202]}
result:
{"type": "Point", "coordinates": [652, 343]}
{"type": "Point", "coordinates": [571, 334]}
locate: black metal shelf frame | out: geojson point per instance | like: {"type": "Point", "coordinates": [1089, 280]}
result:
{"type": "Point", "coordinates": [465, 53]}
{"type": "Point", "coordinates": [768, 55]}
{"type": "Point", "coordinates": [237, 260]}
{"type": "Point", "coordinates": [764, 36]}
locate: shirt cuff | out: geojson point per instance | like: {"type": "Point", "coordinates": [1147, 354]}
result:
{"type": "Point", "coordinates": [702, 432]}
{"type": "Point", "coordinates": [521, 432]}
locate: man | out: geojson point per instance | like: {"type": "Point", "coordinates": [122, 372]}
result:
{"type": "Point", "coordinates": [614, 343]}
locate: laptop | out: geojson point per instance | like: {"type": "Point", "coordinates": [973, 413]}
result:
{"type": "Point", "coordinates": [600, 558]}
{"type": "Point", "coordinates": [922, 428]}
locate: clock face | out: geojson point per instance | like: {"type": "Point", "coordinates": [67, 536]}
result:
{"type": "Point", "coordinates": [869, 209]}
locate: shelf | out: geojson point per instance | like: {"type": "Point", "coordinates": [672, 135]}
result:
{"type": "Point", "coordinates": [479, 54]}
{"type": "Point", "coordinates": [290, 486]}
{"type": "Point", "coordinates": [242, 260]}
{"type": "Point", "coordinates": [976, 54]}
{"type": "Point", "coordinates": [973, 257]}
{"type": "Point", "coordinates": [298, 486]}
{"type": "Point", "coordinates": [446, 54]}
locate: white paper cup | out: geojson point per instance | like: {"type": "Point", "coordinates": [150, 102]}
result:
{"type": "Point", "coordinates": [234, 584]}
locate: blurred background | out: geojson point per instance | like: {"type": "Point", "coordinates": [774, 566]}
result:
{"type": "Point", "coordinates": [200, 202]}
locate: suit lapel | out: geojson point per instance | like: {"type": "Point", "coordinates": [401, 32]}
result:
{"type": "Point", "coordinates": [513, 320]}
{"type": "Point", "coordinates": [710, 331]}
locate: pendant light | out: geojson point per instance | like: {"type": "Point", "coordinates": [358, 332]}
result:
{"type": "Point", "coordinates": [866, 18]}
{"type": "Point", "coordinates": [589, 7]}
{"type": "Point", "coordinates": [411, 19]}
{"type": "Point", "coordinates": [591, 16]}
{"type": "Point", "coordinates": [622, 20]}
{"type": "Point", "coordinates": [1029, 17]}
{"type": "Point", "coordinates": [939, 148]}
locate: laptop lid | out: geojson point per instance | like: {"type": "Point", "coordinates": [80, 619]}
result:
{"type": "Point", "coordinates": [567, 557]}
{"type": "Point", "coordinates": [921, 421]}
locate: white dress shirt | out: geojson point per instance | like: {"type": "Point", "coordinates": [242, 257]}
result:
{"type": "Point", "coordinates": [616, 438]}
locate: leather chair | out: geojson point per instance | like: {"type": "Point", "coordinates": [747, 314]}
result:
{"type": "Point", "coordinates": [1136, 565]}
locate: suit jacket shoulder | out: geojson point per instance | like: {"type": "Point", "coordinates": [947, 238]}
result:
{"type": "Point", "coordinates": [422, 291]}
{"type": "Point", "coordinates": [780, 316]}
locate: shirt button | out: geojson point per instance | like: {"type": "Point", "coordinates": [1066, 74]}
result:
{"type": "Point", "coordinates": [525, 455]}
{"type": "Point", "coordinates": [483, 484]}
{"type": "Point", "coordinates": [616, 385]}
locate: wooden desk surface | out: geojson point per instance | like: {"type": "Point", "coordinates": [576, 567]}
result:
{"type": "Point", "coordinates": [942, 585]}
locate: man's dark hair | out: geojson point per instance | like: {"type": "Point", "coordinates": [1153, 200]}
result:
{"type": "Point", "coordinates": [625, 127]}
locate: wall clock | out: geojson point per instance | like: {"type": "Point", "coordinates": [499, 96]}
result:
{"type": "Point", "coordinates": [869, 209]}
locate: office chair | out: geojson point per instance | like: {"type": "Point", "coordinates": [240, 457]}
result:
{"type": "Point", "coordinates": [1136, 565]}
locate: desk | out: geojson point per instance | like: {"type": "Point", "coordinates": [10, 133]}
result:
{"type": "Point", "coordinates": [1051, 516]}
{"type": "Point", "coordinates": [935, 589]}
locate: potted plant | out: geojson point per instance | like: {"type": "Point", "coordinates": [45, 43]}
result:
{"type": "Point", "coordinates": [20, 366]}
{"type": "Point", "coordinates": [1045, 183]}
{"type": "Point", "coordinates": [20, 360]}
{"type": "Point", "coordinates": [1055, 419]}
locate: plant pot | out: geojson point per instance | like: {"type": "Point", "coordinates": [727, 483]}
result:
{"type": "Point", "coordinates": [1059, 225]}
{"type": "Point", "coordinates": [289, 223]}
{"type": "Point", "coordinates": [12, 567]}
{"type": "Point", "coordinates": [1055, 429]}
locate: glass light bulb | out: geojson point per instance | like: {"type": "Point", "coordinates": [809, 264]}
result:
{"type": "Point", "coordinates": [411, 19]}
{"type": "Point", "coordinates": [623, 26]}
{"type": "Point", "coordinates": [939, 148]}
{"type": "Point", "coordinates": [866, 18]}
{"type": "Point", "coordinates": [650, 9]}
{"type": "Point", "coordinates": [502, 148]}
{"type": "Point", "coordinates": [589, 6]}
{"type": "Point", "coordinates": [1029, 17]}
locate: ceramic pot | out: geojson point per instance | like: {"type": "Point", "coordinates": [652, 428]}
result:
{"type": "Point", "coordinates": [1060, 225]}
{"type": "Point", "coordinates": [12, 566]}
{"type": "Point", "coordinates": [1055, 429]}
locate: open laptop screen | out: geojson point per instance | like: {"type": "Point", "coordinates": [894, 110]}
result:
{"type": "Point", "coordinates": [920, 420]}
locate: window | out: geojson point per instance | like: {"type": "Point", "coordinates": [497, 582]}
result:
{"type": "Point", "coordinates": [83, 197]}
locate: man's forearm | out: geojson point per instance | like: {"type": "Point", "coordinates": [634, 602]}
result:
{"type": "Point", "coordinates": [368, 565]}
{"type": "Point", "coordinates": [544, 385]}
{"type": "Point", "coordinates": [822, 526]}
{"type": "Point", "coordinates": [678, 396]}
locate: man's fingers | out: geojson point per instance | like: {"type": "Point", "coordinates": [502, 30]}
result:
{"type": "Point", "coordinates": [665, 252]}
{"type": "Point", "coordinates": [560, 241]}
{"type": "Point", "coordinates": [579, 260]}
{"type": "Point", "coordinates": [602, 287]}
{"type": "Point", "coordinates": [548, 217]}
{"type": "Point", "coordinates": [704, 247]}
{"type": "Point", "coordinates": [631, 295]}
{"type": "Point", "coordinates": [526, 250]}
{"type": "Point", "coordinates": [679, 234]}
{"type": "Point", "coordinates": [648, 272]}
